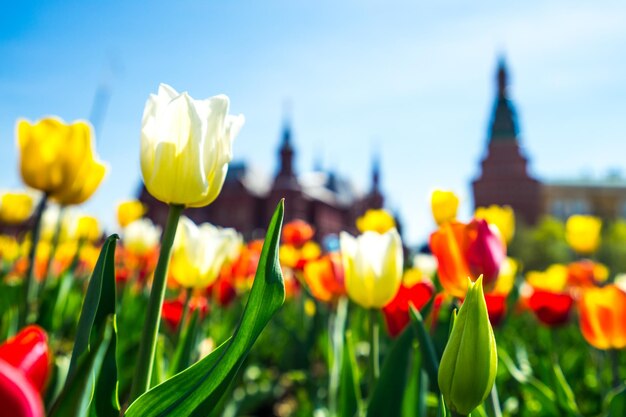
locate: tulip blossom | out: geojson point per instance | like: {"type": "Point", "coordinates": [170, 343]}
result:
{"type": "Point", "coordinates": [172, 311]}
{"type": "Point", "coordinates": [17, 395]}
{"type": "Point", "coordinates": [551, 308]}
{"type": "Point", "coordinates": [325, 278]}
{"type": "Point", "coordinates": [444, 205]}
{"type": "Point", "coordinates": [129, 211]}
{"type": "Point", "coordinates": [28, 352]}
{"type": "Point", "coordinates": [396, 312]}
{"type": "Point", "coordinates": [502, 217]}
{"type": "Point", "coordinates": [586, 273]}
{"type": "Point", "coordinates": [186, 146]}
{"type": "Point", "coordinates": [15, 207]}
{"type": "Point", "coordinates": [82, 227]}
{"type": "Point", "coordinates": [373, 267]}
{"type": "Point", "coordinates": [379, 221]}
{"type": "Point", "coordinates": [200, 252]}
{"type": "Point", "coordinates": [602, 313]}
{"type": "Point", "coordinates": [469, 363]}
{"type": "Point", "coordinates": [583, 233]}
{"type": "Point", "coordinates": [141, 237]}
{"type": "Point", "coordinates": [550, 299]}
{"type": "Point", "coordinates": [467, 251]}
{"type": "Point", "coordinates": [59, 159]}
{"type": "Point", "coordinates": [296, 257]}
{"type": "Point", "coordinates": [297, 233]}
{"type": "Point", "coordinates": [496, 299]}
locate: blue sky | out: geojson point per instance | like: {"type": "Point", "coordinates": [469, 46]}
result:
{"type": "Point", "coordinates": [414, 80]}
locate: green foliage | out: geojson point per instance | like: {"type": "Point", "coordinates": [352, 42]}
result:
{"type": "Point", "coordinates": [197, 390]}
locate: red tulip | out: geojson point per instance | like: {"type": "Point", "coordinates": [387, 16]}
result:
{"type": "Point", "coordinates": [172, 310]}
{"type": "Point", "coordinates": [485, 251]}
{"type": "Point", "coordinates": [297, 232]}
{"type": "Point", "coordinates": [551, 308]}
{"type": "Point", "coordinates": [18, 397]}
{"type": "Point", "coordinates": [28, 352]}
{"type": "Point", "coordinates": [496, 307]}
{"type": "Point", "coordinates": [397, 311]}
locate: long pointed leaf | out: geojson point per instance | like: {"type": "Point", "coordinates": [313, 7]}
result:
{"type": "Point", "coordinates": [387, 397]}
{"type": "Point", "coordinates": [74, 399]}
{"type": "Point", "coordinates": [198, 389]}
{"type": "Point", "coordinates": [99, 304]}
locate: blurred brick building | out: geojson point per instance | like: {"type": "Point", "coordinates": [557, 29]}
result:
{"type": "Point", "coordinates": [505, 179]}
{"type": "Point", "coordinates": [327, 201]}
{"type": "Point", "coordinates": [504, 176]}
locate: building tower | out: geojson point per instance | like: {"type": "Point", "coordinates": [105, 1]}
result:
{"type": "Point", "coordinates": [286, 184]}
{"type": "Point", "coordinates": [504, 178]}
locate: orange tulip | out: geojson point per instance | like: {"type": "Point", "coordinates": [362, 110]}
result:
{"type": "Point", "coordinates": [467, 250]}
{"type": "Point", "coordinates": [586, 273]}
{"type": "Point", "coordinates": [447, 245]}
{"type": "Point", "coordinates": [603, 317]}
{"type": "Point", "coordinates": [325, 277]}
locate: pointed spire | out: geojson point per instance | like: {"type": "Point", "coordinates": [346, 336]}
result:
{"type": "Point", "coordinates": [286, 175]}
{"type": "Point", "coordinates": [502, 77]}
{"type": "Point", "coordinates": [375, 174]}
{"type": "Point", "coordinates": [504, 120]}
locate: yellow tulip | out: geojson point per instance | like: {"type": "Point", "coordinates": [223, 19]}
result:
{"type": "Point", "coordinates": [129, 211]}
{"type": "Point", "coordinates": [10, 249]}
{"type": "Point", "coordinates": [506, 277]}
{"type": "Point", "coordinates": [502, 217]}
{"type": "Point", "coordinates": [378, 221]}
{"type": "Point", "coordinates": [199, 253]}
{"type": "Point", "coordinates": [582, 233]}
{"type": "Point", "coordinates": [444, 205]}
{"type": "Point", "coordinates": [373, 265]}
{"type": "Point", "coordinates": [15, 207]}
{"type": "Point", "coordinates": [186, 146]}
{"type": "Point", "coordinates": [59, 159]}
{"type": "Point", "coordinates": [553, 279]}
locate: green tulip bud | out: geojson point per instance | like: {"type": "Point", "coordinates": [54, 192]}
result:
{"type": "Point", "coordinates": [469, 362]}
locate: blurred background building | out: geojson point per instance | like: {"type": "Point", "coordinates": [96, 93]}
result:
{"type": "Point", "coordinates": [505, 178]}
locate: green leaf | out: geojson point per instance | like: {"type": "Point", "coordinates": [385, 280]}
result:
{"type": "Point", "coordinates": [616, 402]}
{"type": "Point", "coordinates": [532, 385]}
{"type": "Point", "coordinates": [564, 394]}
{"type": "Point", "coordinates": [430, 362]}
{"type": "Point", "coordinates": [184, 348]}
{"type": "Point", "coordinates": [199, 388]}
{"type": "Point", "coordinates": [73, 401]}
{"type": "Point", "coordinates": [349, 398]}
{"type": "Point", "coordinates": [99, 304]}
{"type": "Point", "coordinates": [386, 400]}
{"type": "Point", "coordinates": [414, 401]}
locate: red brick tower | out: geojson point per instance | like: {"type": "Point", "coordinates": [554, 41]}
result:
{"type": "Point", "coordinates": [504, 177]}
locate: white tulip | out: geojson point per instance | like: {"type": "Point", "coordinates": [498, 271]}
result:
{"type": "Point", "coordinates": [186, 146]}
{"type": "Point", "coordinates": [141, 236]}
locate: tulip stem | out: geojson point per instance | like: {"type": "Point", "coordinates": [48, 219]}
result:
{"type": "Point", "coordinates": [147, 346]}
{"type": "Point", "coordinates": [183, 317]}
{"type": "Point", "coordinates": [53, 248]}
{"type": "Point", "coordinates": [614, 358]}
{"type": "Point", "coordinates": [374, 349]}
{"type": "Point", "coordinates": [492, 405]}
{"type": "Point", "coordinates": [29, 279]}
